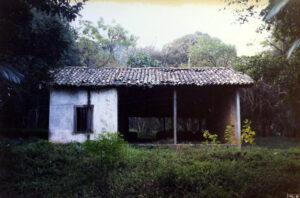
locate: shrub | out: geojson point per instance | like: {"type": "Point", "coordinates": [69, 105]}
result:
{"type": "Point", "coordinates": [42, 169]}
{"type": "Point", "coordinates": [210, 138]}
{"type": "Point", "coordinates": [108, 149]}
{"type": "Point", "coordinates": [247, 133]}
{"type": "Point", "coordinates": [229, 135]}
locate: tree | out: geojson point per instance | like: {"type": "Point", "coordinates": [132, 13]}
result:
{"type": "Point", "coordinates": [268, 103]}
{"type": "Point", "coordinates": [142, 60]}
{"type": "Point", "coordinates": [35, 37]}
{"type": "Point", "coordinates": [150, 51]}
{"type": "Point", "coordinates": [280, 17]}
{"type": "Point", "coordinates": [200, 49]}
{"type": "Point", "coordinates": [279, 67]}
{"type": "Point", "coordinates": [99, 45]}
{"type": "Point", "coordinates": [15, 23]}
{"type": "Point", "coordinates": [211, 52]}
{"type": "Point", "coordinates": [176, 52]}
{"type": "Point", "coordinates": [284, 17]}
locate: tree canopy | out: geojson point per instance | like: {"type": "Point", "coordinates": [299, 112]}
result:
{"type": "Point", "coordinates": [142, 60]}
{"type": "Point", "coordinates": [103, 44]}
{"type": "Point", "coordinates": [200, 49]}
{"type": "Point", "coordinates": [276, 71]}
{"type": "Point", "coordinates": [35, 37]}
{"type": "Point", "coordinates": [211, 52]}
{"type": "Point", "coordinates": [176, 52]}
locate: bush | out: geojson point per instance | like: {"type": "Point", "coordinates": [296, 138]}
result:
{"type": "Point", "coordinates": [43, 169]}
{"type": "Point", "coordinates": [210, 138]}
{"type": "Point", "coordinates": [229, 135]}
{"type": "Point", "coordinates": [108, 149]}
{"type": "Point", "coordinates": [247, 136]}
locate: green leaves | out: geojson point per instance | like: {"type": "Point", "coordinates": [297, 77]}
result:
{"type": "Point", "coordinates": [35, 37]}
{"type": "Point", "coordinates": [101, 45]}
{"type": "Point", "coordinates": [211, 52]}
{"type": "Point", "coordinates": [198, 50]}
{"type": "Point", "coordinates": [42, 169]}
{"type": "Point", "coordinates": [247, 134]}
{"type": "Point", "coordinates": [210, 138]}
{"type": "Point", "coordinates": [142, 60]}
{"type": "Point", "coordinates": [229, 135]}
{"type": "Point", "coordinates": [107, 149]}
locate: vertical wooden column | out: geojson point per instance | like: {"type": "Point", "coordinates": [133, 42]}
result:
{"type": "Point", "coordinates": [238, 116]}
{"type": "Point", "coordinates": [89, 114]}
{"type": "Point", "coordinates": [175, 115]}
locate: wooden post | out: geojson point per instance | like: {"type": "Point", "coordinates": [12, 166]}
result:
{"type": "Point", "coordinates": [175, 115]}
{"type": "Point", "coordinates": [238, 116]}
{"type": "Point", "coordinates": [89, 114]}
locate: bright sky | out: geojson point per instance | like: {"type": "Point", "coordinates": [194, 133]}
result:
{"type": "Point", "coordinates": [157, 22]}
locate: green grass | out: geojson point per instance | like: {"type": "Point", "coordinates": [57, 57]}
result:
{"type": "Point", "coordinates": [278, 142]}
{"type": "Point", "coordinates": [42, 169]}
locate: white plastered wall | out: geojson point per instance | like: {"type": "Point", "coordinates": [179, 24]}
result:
{"type": "Point", "coordinates": [62, 109]}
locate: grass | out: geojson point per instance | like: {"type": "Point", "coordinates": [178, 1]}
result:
{"type": "Point", "coordinates": [278, 142]}
{"type": "Point", "coordinates": [41, 169]}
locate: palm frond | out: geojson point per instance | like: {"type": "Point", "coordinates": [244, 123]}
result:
{"type": "Point", "coordinates": [10, 74]}
{"type": "Point", "coordinates": [295, 45]}
{"type": "Point", "coordinates": [276, 8]}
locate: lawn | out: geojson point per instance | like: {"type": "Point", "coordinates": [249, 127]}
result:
{"type": "Point", "coordinates": [110, 168]}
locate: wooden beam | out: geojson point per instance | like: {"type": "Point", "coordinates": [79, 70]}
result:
{"type": "Point", "coordinates": [175, 115]}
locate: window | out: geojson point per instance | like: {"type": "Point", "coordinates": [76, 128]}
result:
{"type": "Point", "coordinates": [83, 119]}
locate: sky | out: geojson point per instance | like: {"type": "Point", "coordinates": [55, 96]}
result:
{"type": "Point", "coordinates": [158, 22]}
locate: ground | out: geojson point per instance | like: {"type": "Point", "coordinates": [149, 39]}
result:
{"type": "Point", "coordinates": [37, 168]}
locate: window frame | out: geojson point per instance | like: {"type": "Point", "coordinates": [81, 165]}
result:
{"type": "Point", "coordinates": [75, 119]}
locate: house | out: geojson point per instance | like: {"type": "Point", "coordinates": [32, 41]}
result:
{"type": "Point", "coordinates": [85, 102]}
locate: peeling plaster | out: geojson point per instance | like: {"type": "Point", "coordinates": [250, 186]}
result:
{"type": "Point", "coordinates": [61, 116]}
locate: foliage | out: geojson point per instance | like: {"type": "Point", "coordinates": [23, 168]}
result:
{"type": "Point", "coordinates": [98, 45]}
{"type": "Point", "coordinates": [42, 169]}
{"type": "Point", "coordinates": [283, 18]}
{"type": "Point", "coordinates": [272, 102]}
{"type": "Point", "coordinates": [280, 17]}
{"type": "Point", "coordinates": [176, 52]}
{"type": "Point", "coordinates": [210, 138]}
{"type": "Point", "coordinates": [211, 52]}
{"type": "Point", "coordinates": [35, 37]}
{"type": "Point", "coordinates": [16, 16]}
{"type": "Point", "coordinates": [198, 50]}
{"type": "Point", "coordinates": [142, 60]}
{"type": "Point", "coordinates": [152, 52]}
{"type": "Point", "coordinates": [279, 74]}
{"type": "Point", "coordinates": [229, 135]}
{"type": "Point", "coordinates": [277, 142]}
{"type": "Point", "coordinates": [108, 148]}
{"type": "Point", "coordinates": [247, 135]}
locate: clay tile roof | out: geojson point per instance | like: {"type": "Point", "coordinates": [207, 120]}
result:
{"type": "Point", "coordinates": [123, 76]}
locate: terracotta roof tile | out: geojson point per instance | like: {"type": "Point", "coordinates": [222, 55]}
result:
{"type": "Point", "coordinates": [117, 76]}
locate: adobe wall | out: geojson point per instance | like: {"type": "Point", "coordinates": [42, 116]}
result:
{"type": "Point", "coordinates": [62, 110]}
{"type": "Point", "coordinates": [226, 112]}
